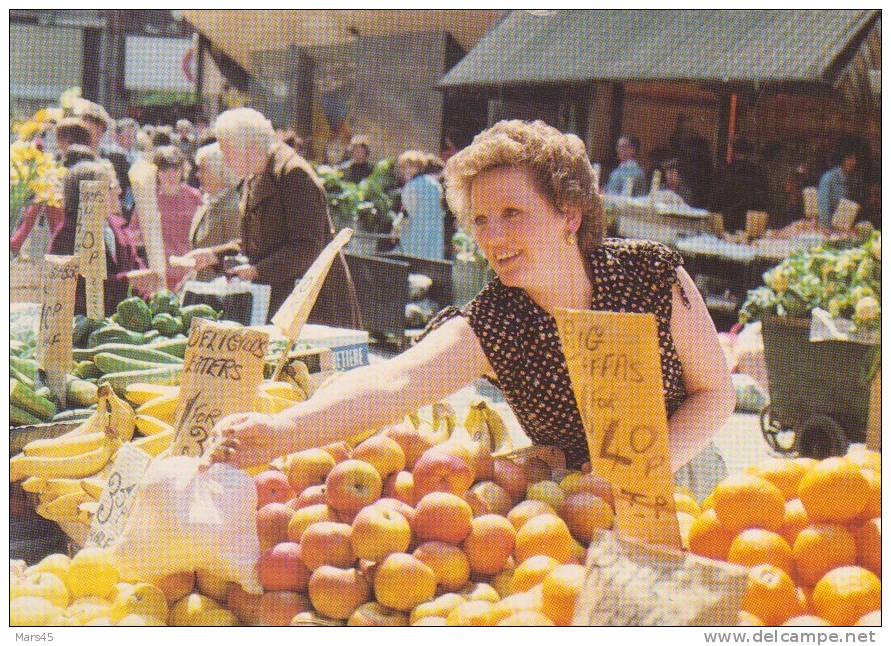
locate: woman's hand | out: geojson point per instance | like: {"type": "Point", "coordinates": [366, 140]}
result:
{"type": "Point", "coordinates": [251, 439]}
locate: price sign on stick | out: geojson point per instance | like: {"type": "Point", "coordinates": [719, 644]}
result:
{"type": "Point", "coordinates": [89, 243]}
{"type": "Point", "coordinates": [222, 369]}
{"type": "Point", "coordinates": [117, 498]}
{"type": "Point", "coordinates": [614, 366]}
{"type": "Point", "coordinates": [143, 180]}
{"type": "Point", "coordinates": [56, 313]}
{"type": "Point", "coordinates": [294, 312]}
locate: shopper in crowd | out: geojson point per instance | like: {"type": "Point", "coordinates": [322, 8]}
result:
{"type": "Point", "coordinates": [125, 137]}
{"type": "Point", "coordinates": [124, 268]}
{"type": "Point", "coordinates": [71, 130]}
{"type": "Point", "coordinates": [741, 188]}
{"type": "Point", "coordinates": [218, 220]}
{"type": "Point", "coordinates": [526, 192]}
{"type": "Point", "coordinates": [695, 157]}
{"type": "Point", "coordinates": [177, 203]}
{"type": "Point", "coordinates": [674, 188]}
{"type": "Point", "coordinates": [835, 184]}
{"type": "Point", "coordinates": [422, 231]}
{"type": "Point", "coordinates": [162, 136]}
{"type": "Point", "coordinates": [285, 220]}
{"type": "Point", "coordinates": [358, 167]}
{"type": "Point", "coordinates": [185, 132]}
{"type": "Point", "coordinates": [627, 148]}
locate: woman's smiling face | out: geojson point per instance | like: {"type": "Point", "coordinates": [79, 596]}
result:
{"type": "Point", "coordinates": [522, 234]}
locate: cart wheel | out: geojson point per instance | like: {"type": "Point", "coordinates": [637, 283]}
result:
{"type": "Point", "coordinates": [771, 430]}
{"type": "Point", "coordinates": [821, 437]}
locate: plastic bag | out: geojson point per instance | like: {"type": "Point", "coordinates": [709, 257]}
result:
{"type": "Point", "coordinates": [185, 518]}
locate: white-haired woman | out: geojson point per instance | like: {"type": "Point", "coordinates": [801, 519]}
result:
{"type": "Point", "coordinates": [285, 222]}
{"type": "Point", "coordinates": [217, 222]}
{"type": "Point", "coordinates": [526, 192]}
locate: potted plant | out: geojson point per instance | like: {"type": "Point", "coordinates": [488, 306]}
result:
{"type": "Point", "coordinates": [470, 269]}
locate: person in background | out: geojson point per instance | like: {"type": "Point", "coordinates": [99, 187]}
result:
{"type": "Point", "coordinates": [674, 181]}
{"type": "Point", "coordinates": [695, 157]}
{"type": "Point", "coordinates": [218, 220]}
{"type": "Point", "coordinates": [186, 133]}
{"type": "Point", "coordinates": [423, 228]}
{"type": "Point", "coordinates": [125, 137]}
{"type": "Point", "coordinates": [742, 187]}
{"type": "Point", "coordinates": [872, 209]}
{"type": "Point", "coordinates": [285, 223]}
{"type": "Point", "coordinates": [162, 136]}
{"type": "Point", "coordinates": [71, 131]}
{"type": "Point", "coordinates": [124, 268]}
{"type": "Point", "coordinates": [177, 203]}
{"type": "Point", "coordinates": [357, 168]}
{"type": "Point", "coordinates": [835, 183]}
{"type": "Point", "coordinates": [627, 148]}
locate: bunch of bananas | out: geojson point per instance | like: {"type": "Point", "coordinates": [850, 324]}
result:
{"type": "Point", "coordinates": [484, 425]}
{"type": "Point", "coordinates": [70, 472]}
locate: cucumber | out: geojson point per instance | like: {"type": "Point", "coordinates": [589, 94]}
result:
{"type": "Point", "coordinates": [86, 370]}
{"type": "Point", "coordinates": [26, 399]}
{"type": "Point", "coordinates": [173, 347]}
{"type": "Point", "coordinates": [110, 362]}
{"type": "Point", "coordinates": [80, 392]}
{"type": "Point", "coordinates": [137, 352]}
{"type": "Point", "coordinates": [115, 334]}
{"type": "Point", "coordinates": [73, 415]}
{"type": "Point", "coordinates": [23, 378]}
{"type": "Point", "coordinates": [19, 417]}
{"type": "Point", "coordinates": [151, 335]}
{"type": "Point", "coordinates": [27, 367]}
{"type": "Point", "coordinates": [167, 376]}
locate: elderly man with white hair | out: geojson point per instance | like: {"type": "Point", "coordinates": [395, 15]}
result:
{"type": "Point", "coordinates": [285, 222]}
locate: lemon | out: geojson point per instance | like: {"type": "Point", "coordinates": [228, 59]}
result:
{"type": "Point", "coordinates": [57, 564]}
{"type": "Point", "coordinates": [141, 599]}
{"type": "Point", "coordinates": [187, 609]}
{"type": "Point", "coordinates": [41, 584]}
{"type": "Point", "coordinates": [91, 574]}
{"type": "Point", "coordinates": [33, 611]}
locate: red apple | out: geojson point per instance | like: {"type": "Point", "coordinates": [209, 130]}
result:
{"type": "Point", "coordinates": [351, 485]}
{"type": "Point", "coordinates": [441, 470]}
{"type": "Point", "coordinates": [272, 524]}
{"type": "Point", "coordinates": [314, 495]}
{"type": "Point", "coordinates": [278, 608]}
{"type": "Point", "coordinates": [245, 606]}
{"type": "Point", "coordinates": [272, 486]}
{"type": "Point", "coordinates": [511, 477]}
{"type": "Point", "coordinates": [282, 568]}
{"type": "Point", "coordinates": [400, 486]}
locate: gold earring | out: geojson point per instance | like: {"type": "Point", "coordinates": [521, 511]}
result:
{"type": "Point", "coordinates": [569, 238]}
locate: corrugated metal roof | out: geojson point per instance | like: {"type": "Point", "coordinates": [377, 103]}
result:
{"type": "Point", "coordinates": [579, 46]}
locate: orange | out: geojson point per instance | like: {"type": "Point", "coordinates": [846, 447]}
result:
{"type": "Point", "coordinates": [865, 458]}
{"type": "Point", "coordinates": [820, 548]}
{"type": "Point", "coordinates": [544, 534]}
{"type": "Point", "coordinates": [806, 620]}
{"type": "Point", "coordinates": [686, 503]}
{"type": "Point", "coordinates": [471, 613]}
{"type": "Point", "coordinates": [526, 618]}
{"type": "Point", "coordinates": [531, 572]}
{"type": "Point", "coordinates": [868, 537]}
{"type": "Point", "coordinates": [745, 501]}
{"type": "Point", "coordinates": [756, 546]}
{"type": "Point", "coordinates": [873, 508]}
{"type": "Point", "coordinates": [784, 473]}
{"type": "Point", "coordinates": [770, 595]}
{"type": "Point", "coordinates": [834, 491]}
{"type": "Point", "coordinates": [559, 592]}
{"type": "Point", "coordinates": [708, 503]}
{"type": "Point", "coordinates": [847, 593]}
{"type": "Point", "coordinates": [794, 520]}
{"type": "Point", "coordinates": [708, 538]}
{"type": "Point", "coordinates": [748, 619]}
{"type": "Point", "coordinates": [528, 509]}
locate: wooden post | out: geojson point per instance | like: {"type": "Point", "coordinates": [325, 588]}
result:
{"type": "Point", "coordinates": [89, 243]}
{"type": "Point", "coordinates": [874, 421]}
{"type": "Point", "coordinates": [56, 314]}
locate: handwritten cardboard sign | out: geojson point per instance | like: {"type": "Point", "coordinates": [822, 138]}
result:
{"type": "Point", "coordinates": [221, 371]}
{"type": "Point", "coordinates": [117, 498]}
{"type": "Point", "coordinates": [89, 243]}
{"type": "Point", "coordinates": [631, 583]}
{"type": "Point", "coordinates": [143, 180]}
{"type": "Point", "coordinates": [294, 312]}
{"type": "Point", "coordinates": [656, 182]}
{"type": "Point", "coordinates": [57, 310]}
{"type": "Point", "coordinates": [811, 203]}
{"type": "Point", "coordinates": [614, 366]}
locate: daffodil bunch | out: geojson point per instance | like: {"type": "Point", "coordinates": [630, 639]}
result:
{"type": "Point", "coordinates": [34, 177]}
{"type": "Point", "coordinates": [846, 282]}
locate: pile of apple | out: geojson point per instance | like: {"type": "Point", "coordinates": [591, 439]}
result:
{"type": "Point", "coordinates": [401, 530]}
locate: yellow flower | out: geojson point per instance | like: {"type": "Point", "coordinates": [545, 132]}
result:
{"type": "Point", "coordinates": [28, 129]}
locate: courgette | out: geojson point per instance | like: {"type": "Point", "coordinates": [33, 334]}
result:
{"type": "Point", "coordinates": [166, 376]}
{"type": "Point", "coordinates": [80, 392]}
{"type": "Point", "coordinates": [86, 370]}
{"type": "Point", "coordinates": [73, 414]}
{"type": "Point", "coordinates": [115, 334]}
{"type": "Point", "coordinates": [111, 362]}
{"type": "Point", "coordinates": [27, 367]}
{"type": "Point", "coordinates": [15, 374]}
{"type": "Point", "coordinates": [173, 347]}
{"type": "Point", "coordinates": [26, 399]}
{"type": "Point", "coordinates": [137, 352]}
{"type": "Point", "coordinates": [19, 417]}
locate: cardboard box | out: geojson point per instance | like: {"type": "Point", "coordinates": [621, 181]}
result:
{"type": "Point", "coordinates": [349, 347]}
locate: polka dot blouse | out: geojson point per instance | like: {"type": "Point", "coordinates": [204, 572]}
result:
{"type": "Point", "coordinates": [521, 342]}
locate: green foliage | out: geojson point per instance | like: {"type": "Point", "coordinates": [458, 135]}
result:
{"type": "Point", "coordinates": [370, 202]}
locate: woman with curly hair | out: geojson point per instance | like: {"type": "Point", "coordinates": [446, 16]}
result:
{"type": "Point", "coordinates": [526, 192]}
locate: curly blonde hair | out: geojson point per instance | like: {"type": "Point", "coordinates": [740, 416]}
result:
{"type": "Point", "coordinates": [557, 163]}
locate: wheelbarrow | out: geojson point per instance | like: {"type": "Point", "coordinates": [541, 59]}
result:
{"type": "Point", "coordinates": [819, 392]}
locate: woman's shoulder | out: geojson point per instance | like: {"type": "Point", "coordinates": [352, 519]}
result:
{"type": "Point", "coordinates": [645, 259]}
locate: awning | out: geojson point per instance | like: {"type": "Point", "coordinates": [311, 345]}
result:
{"type": "Point", "coordinates": [718, 46]}
{"type": "Point", "coordinates": [238, 33]}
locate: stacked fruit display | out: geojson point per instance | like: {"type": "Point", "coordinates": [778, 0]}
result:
{"type": "Point", "coordinates": [811, 533]}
